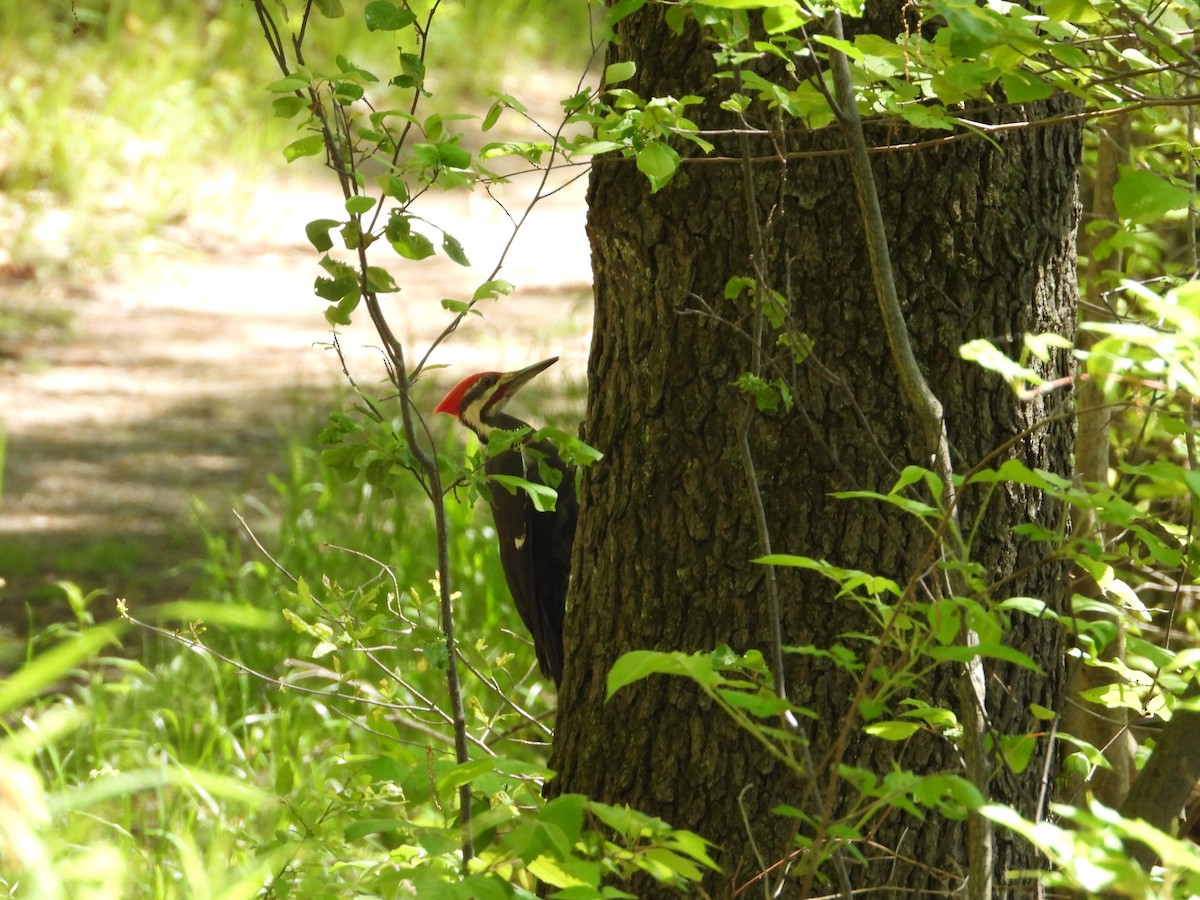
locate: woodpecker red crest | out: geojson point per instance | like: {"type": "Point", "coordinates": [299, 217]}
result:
{"type": "Point", "coordinates": [452, 402]}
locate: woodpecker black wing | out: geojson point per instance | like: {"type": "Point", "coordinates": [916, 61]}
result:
{"type": "Point", "coordinates": [535, 549]}
{"type": "Point", "coordinates": [553, 538]}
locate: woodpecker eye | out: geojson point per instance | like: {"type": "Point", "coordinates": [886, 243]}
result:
{"type": "Point", "coordinates": [487, 380]}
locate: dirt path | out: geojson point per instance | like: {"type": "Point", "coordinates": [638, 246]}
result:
{"type": "Point", "coordinates": [187, 373]}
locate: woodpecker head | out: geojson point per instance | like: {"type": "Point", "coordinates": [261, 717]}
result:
{"type": "Point", "coordinates": [477, 400]}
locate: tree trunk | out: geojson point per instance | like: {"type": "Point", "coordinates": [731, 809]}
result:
{"type": "Point", "coordinates": [983, 241]}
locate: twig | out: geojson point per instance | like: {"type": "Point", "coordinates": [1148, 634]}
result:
{"type": "Point", "coordinates": [539, 195]}
{"type": "Point", "coordinates": [394, 351]}
{"type": "Point", "coordinates": [930, 415]}
{"type": "Point", "coordinates": [504, 696]}
{"type": "Point", "coordinates": [192, 644]}
{"type": "Point", "coordinates": [263, 550]}
{"type": "Point", "coordinates": [934, 143]}
{"type": "Point", "coordinates": [790, 723]}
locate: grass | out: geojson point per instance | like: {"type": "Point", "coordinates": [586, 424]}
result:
{"type": "Point", "coordinates": [182, 774]}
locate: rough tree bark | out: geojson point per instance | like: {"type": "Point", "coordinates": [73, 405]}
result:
{"type": "Point", "coordinates": [983, 240]}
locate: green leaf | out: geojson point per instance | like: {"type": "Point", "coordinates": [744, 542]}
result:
{"type": "Point", "coordinates": [1041, 345]}
{"type": "Point", "coordinates": [492, 116]}
{"type": "Point", "coordinates": [961, 81]}
{"type": "Point", "coordinates": [543, 496]}
{"type": "Point", "coordinates": [380, 116]}
{"type": "Point", "coordinates": [340, 314]}
{"type": "Point", "coordinates": [1041, 712]}
{"type": "Point", "coordinates": [1032, 606]}
{"type": "Point", "coordinates": [936, 716]}
{"type": "Point", "coordinates": [306, 146]}
{"type": "Point", "coordinates": [749, 4]}
{"type": "Point", "coordinates": [621, 819]}
{"type": "Point", "coordinates": [1077, 12]}
{"type": "Point", "coordinates": [927, 117]}
{"type": "Point", "coordinates": [286, 107]}
{"type": "Point", "coordinates": [782, 19]}
{"type": "Point", "coordinates": [849, 579]}
{"type": "Point", "coordinates": [762, 704]}
{"type": "Point", "coordinates": [453, 155]}
{"type": "Point", "coordinates": [478, 887]}
{"type": "Point", "coordinates": [334, 289]}
{"type": "Point", "coordinates": [768, 395]}
{"type": "Point", "coordinates": [738, 285]}
{"type": "Point", "coordinates": [453, 249]}
{"type": "Point", "coordinates": [358, 205]}
{"type": "Point", "coordinates": [445, 154]}
{"type": "Point", "coordinates": [462, 774]}
{"type": "Point", "coordinates": [318, 233]}
{"type": "Point", "coordinates": [952, 795]}
{"type": "Point", "coordinates": [351, 235]}
{"type": "Point", "coordinates": [637, 664]}
{"type": "Point", "coordinates": [622, 9]}
{"type": "Point", "coordinates": [413, 245]}
{"type": "Point", "coordinates": [566, 813]}
{"type": "Point", "coordinates": [1024, 87]}
{"type": "Point", "coordinates": [1158, 657]}
{"type": "Point", "coordinates": [620, 71]}
{"type": "Point", "coordinates": [634, 666]}
{"type": "Point", "coordinates": [893, 731]}
{"type": "Point", "coordinates": [330, 9]}
{"type": "Point", "coordinates": [1018, 750]}
{"type": "Point", "coordinates": [916, 507]}
{"type": "Point", "coordinates": [985, 649]}
{"type": "Point", "coordinates": [566, 874]}
{"type": "Point", "coordinates": [350, 69]}
{"type": "Point", "coordinates": [394, 186]}
{"type": "Point", "coordinates": [1144, 197]}
{"type": "Point", "coordinates": [658, 162]}
{"type": "Point", "coordinates": [339, 269]}
{"type": "Point", "coordinates": [380, 280]}
{"type": "Point", "coordinates": [1016, 471]}
{"type": "Point", "coordinates": [841, 45]}
{"type": "Point", "coordinates": [910, 476]}
{"type": "Point", "coordinates": [987, 355]}
{"type": "Point", "coordinates": [1093, 756]}
{"type": "Point", "coordinates": [490, 290]}
{"type": "Point", "coordinates": [660, 861]}
{"type": "Point", "coordinates": [595, 148]}
{"type": "Point", "coordinates": [945, 619]}
{"type": "Point", "coordinates": [384, 16]}
{"type": "Point", "coordinates": [971, 29]}
{"type": "Point", "coordinates": [413, 68]}
{"type": "Point", "coordinates": [347, 92]}
{"type": "Point", "coordinates": [693, 845]}
{"type": "Point", "coordinates": [572, 449]}
{"type": "Point", "coordinates": [289, 84]}
{"type": "Point", "coordinates": [285, 779]}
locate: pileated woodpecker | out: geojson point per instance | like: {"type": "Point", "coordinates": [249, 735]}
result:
{"type": "Point", "coordinates": [535, 547]}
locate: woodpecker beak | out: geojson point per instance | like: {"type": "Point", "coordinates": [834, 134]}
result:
{"type": "Point", "coordinates": [511, 382]}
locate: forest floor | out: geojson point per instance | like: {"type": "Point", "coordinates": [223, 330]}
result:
{"type": "Point", "coordinates": [188, 371]}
